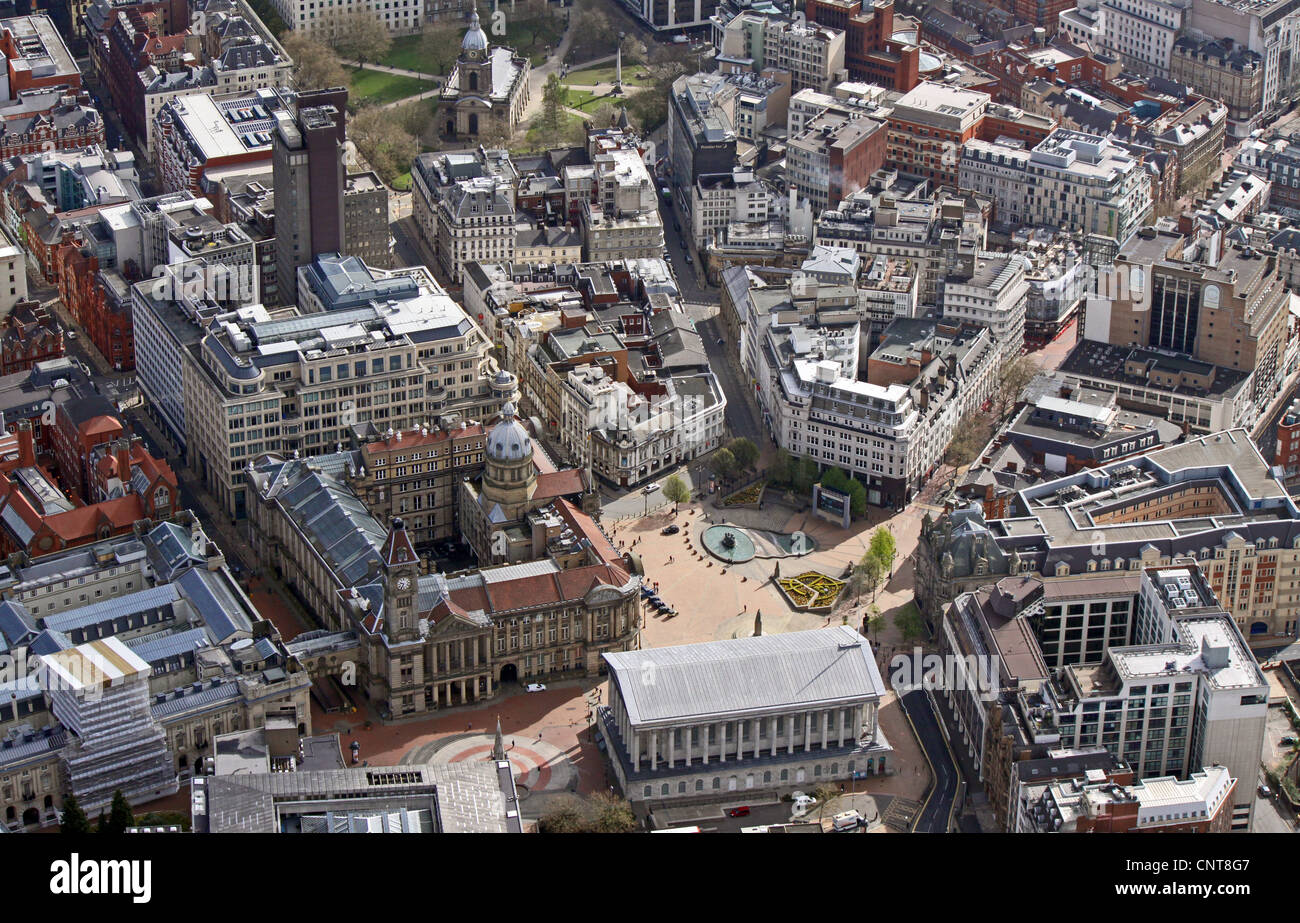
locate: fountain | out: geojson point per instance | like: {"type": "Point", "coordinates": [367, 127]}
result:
{"type": "Point", "coordinates": [728, 544]}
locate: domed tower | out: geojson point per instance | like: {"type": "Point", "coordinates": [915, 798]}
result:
{"type": "Point", "coordinates": [504, 387]}
{"type": "Point", "coordinates": [475, 68]}
{"type": "Point", "coordinates": [509, 473]}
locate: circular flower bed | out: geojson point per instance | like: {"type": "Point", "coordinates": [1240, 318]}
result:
{"type": "Point", "coordinates": [811, 590]}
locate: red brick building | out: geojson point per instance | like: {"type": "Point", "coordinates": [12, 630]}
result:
{"type": "Point", "coordinates": [26, 41]}
{"type": "Point", "coordinates": [80, 425]}
{"type": "Point", "coordinates": [871, 52]}
{"type": "Point", "coordinates": [137, 39]}
{"type": "Point", "coordinates": [49, 120]}
{"type": "Point", "coordinates": [28, 336]}
{"type": "Point", "coordinates": [1287, 456]}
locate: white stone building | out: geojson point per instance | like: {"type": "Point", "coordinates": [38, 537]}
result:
{"type": "Point", "coordinates": [1072, 180]}
{"type": "Point", "coordinates": [735, 719]}
{"type": "Point", "coordinates": [991, 290]}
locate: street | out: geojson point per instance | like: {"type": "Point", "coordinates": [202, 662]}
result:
{"type": "Point", "coordinates": [937, 810]}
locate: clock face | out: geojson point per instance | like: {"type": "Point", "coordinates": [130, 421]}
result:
{"type": "Point", "coordinates": [404, 584]}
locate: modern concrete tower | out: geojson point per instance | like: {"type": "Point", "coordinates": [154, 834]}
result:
{"type": "Point", "coordinates": [307, 165]}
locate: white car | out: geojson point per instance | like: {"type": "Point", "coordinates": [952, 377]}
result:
{"type": "Point", "coordinates": [535, 687]}
{"type": "Point", "coordinates": [651, 488]}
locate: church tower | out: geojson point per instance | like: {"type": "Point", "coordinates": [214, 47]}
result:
{"type": "Point", "coordinates": [401, 572]}
{"type": "Point", "coordinates": [474, 84]}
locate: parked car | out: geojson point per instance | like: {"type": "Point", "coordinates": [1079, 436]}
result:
{"type": "Point", "coordinates": [669, 530]}
{"type": "Point", "coordinates": [535, 687]}
{"type": "Point", "coordinates": [1265, 791]}
{"type": "Point", "coordinates": [650, 488]}
{"type": "Point", "coordinates": [1288, 741]}
{"type": "Point", "coordinates": [689, 261]}
{"type": "Point", "coordinates": [742, 811]}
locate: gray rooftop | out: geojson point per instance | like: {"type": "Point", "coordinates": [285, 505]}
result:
{"type": "Point", "coordinates": [821, 668]}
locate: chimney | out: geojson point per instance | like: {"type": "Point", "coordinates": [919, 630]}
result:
{"type": "Point", "coordinates": [122, 452]}
{"type": "Point", "coordinates": [26, 448]}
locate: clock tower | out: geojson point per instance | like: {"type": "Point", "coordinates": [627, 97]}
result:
{"type": "Point", "coordinates": [401, 594]}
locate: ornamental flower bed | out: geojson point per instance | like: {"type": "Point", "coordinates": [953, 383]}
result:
{"type": "Point", "coordinates": [811, 590]}
{"type": "Point", "coordinates": [747, 496]}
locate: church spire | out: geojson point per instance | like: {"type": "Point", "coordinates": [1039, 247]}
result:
{"type": "Point", "coordinates": [498, 744]}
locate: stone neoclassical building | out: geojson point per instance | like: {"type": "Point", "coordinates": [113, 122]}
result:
{"type": "Point", "coordinates": [727, 719]}
{"type": "Point", "coordinates": [422, 641]}
{"type": "Point", "coordinates": [487, 89]}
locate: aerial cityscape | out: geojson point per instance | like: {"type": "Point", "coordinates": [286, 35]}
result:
{"type": "Point", "coordinates": [624, 416]}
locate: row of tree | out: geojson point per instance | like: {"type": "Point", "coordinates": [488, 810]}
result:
{"type": "Point", "coordinates": [975, 430]}
{"type": "Point", "coordinates": [600, 813]}
{"type": "Point", "coordinates": [119, 816]}
{"type": "Point", "coordinates": [876, 564]}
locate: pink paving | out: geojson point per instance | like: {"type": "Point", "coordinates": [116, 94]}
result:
{"type": "Point", "coordinates": [532, 770]}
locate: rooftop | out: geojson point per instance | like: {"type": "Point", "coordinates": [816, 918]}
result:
{"type": "Point", "coordinates": [769, 673]}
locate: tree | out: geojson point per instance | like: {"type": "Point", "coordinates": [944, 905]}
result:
{"type": "Point", "coordinates": [1013, 376]}
{"type": "Point", "coordinates": [873, 622]}
{"type": "Point", "coordinates": [857, 497]}
{"type": "Point", "coordinates": [532, 17]}
{"type": "Point", "coordinates": [908, 621]}
{"type": "Point", "coordinates": [836, 479]}
{"type": "Point", "coordinates": [967, 440]}
{"type": "Point", "coordinates": [781, 468]}
{"type": "Point", "coordinates": [101, 825]}
{"type": "Point", "coordinates": [605, 116]}
{"type": "Point", "coordinates": [439, 46]}
{"type": "Point", "coordinates": [610, 814]}
{"type": "Point", "coordinates": [675, 489]}
{"type": "Point", "coordinates": [869, 572]}
{"type": "Point", "coordinates": [360, 36]}
{"type": "Point", "coordinates": [417, 120]}
{"type": "Point", "coordinates": [805, 475]}
{"type": "Point", "coordinates": [884, 547]}
{"type": "Point", "coordinates": [650, 105]}
{"type": "Point", "coordinates": [555, 96]}
{"type": "Point", "coordinates": [745, 452]}
{"type": "Point", "coordinates": [383, 142]}
{"type": "Point", "coordinates": [119, 814]}
{"type": "Point", "coordinates": [495, 134]}
{"type": "Point", "coordinates": [565, 815]}
{"type": "Point", "coordinates": [315, 66]}
{"type": "Point", "coordinates": [724, 463]}
{"type": "Point", "coordinates": [74, 818]}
